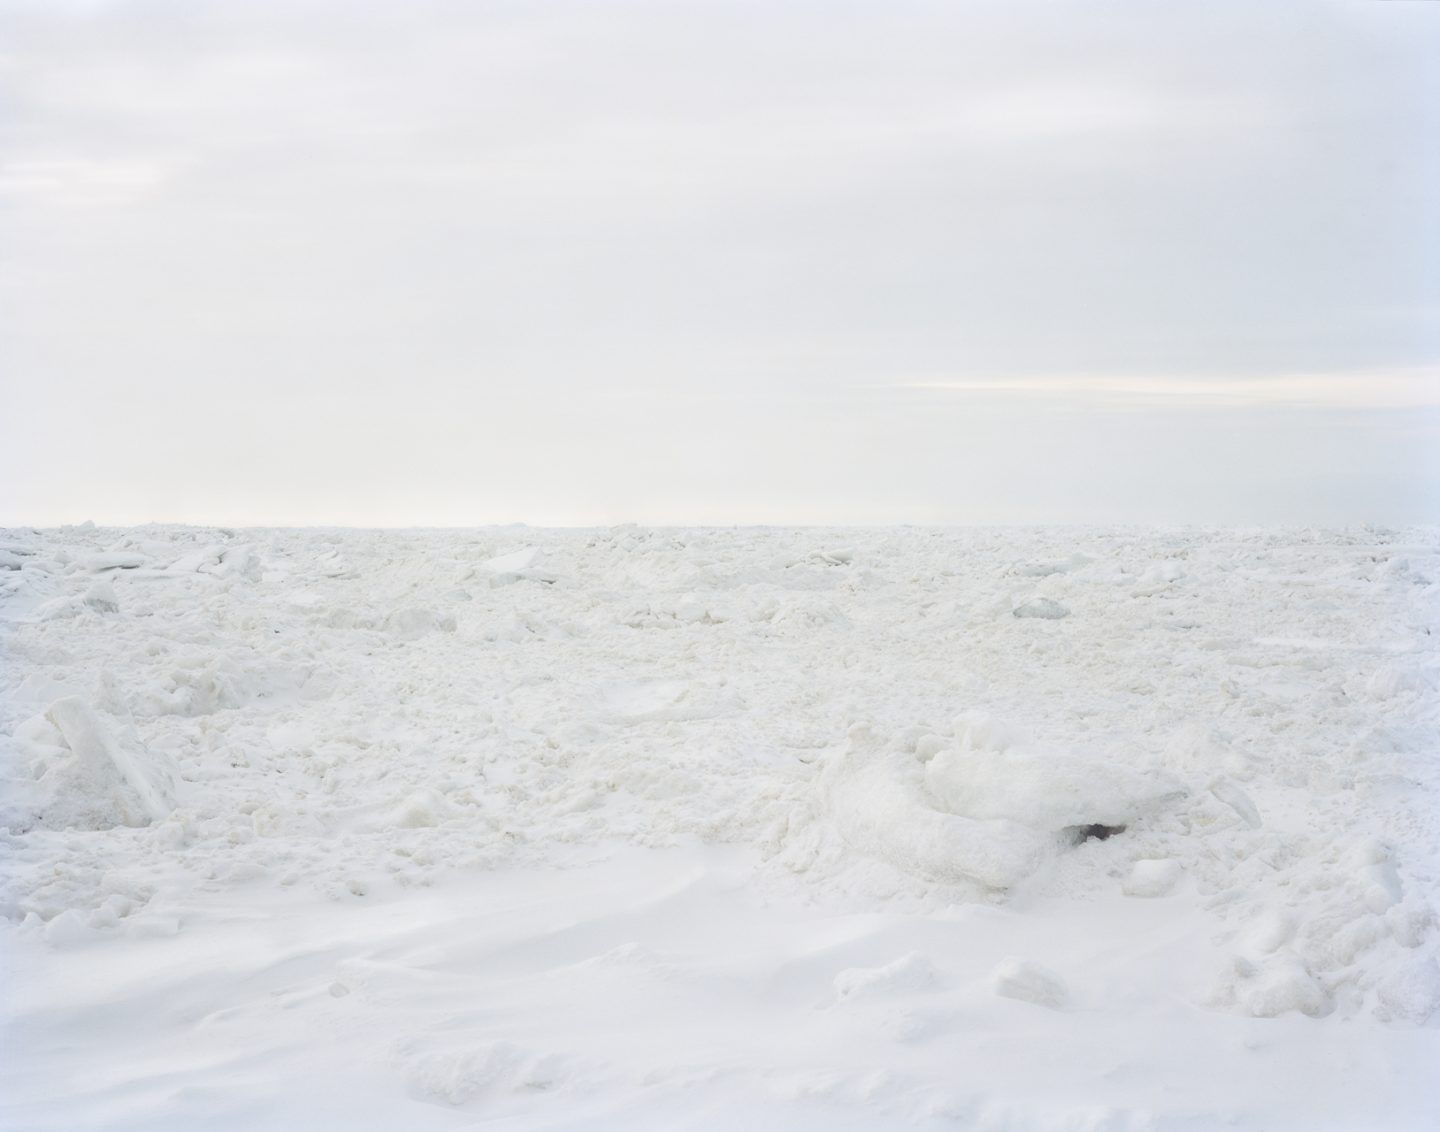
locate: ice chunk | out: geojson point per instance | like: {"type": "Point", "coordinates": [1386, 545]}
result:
{"type": "Point", "coordinates": [1159, 577]}
{"type": "Point", "coordinates": [1239, 801]}
{"type": "Point", "coordinates": [1043, 569]}
{"type": "Point", "coordinates": [1042, 607]}
{"type": "Point", "coordinates": [980, 731]}
{"type": "Point", "coordinates": [512, 563]}
{"type": "Point", "coordinates": [412, 624]}
{"type": "Point", "coordinates": [58, 609]}
{"type": "Point", "coordinates": [1029, 982]}
{"type": "Point", "coordinates": [101, 597]}
{"type": "Point", "coordinates": [507, 569]}
{"type": "Point", "coordinates": [116, 560]}
{"type": "Point", "coordinates": [237, 561]}
{"type": "Point", "coordinates": [653, 700]}
{"type": "Point", "coordinates": [195, 561]}
{"type": "Point", "coordinates": [41, 687]}
{"type": "Point", "coordinates": [1382, 887]}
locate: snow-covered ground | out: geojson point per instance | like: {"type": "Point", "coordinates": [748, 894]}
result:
{"type": "Point", "coordinates": [631, 828]}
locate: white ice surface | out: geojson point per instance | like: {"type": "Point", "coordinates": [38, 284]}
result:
{"type": "Point", "coordinates": [716, 829]}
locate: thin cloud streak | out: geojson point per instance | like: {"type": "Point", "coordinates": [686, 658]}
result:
{"type": "Point", "coordinates": [1405, 390]}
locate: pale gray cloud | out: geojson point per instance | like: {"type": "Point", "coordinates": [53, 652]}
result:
{"type": "Point", "coordinates": [670, 261]}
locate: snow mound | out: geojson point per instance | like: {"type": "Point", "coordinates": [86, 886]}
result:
{"type": "Point", "coordinates": [880, 806]}
{"type": "Point", "coordinates": [909, 973]}
{"type": "Point", "coordinates": [1152, 878]}
{"type": "Point", "coordinates": [984, 807]}
{"type": "Point", "coordinates": [1411, 993]}
{"type": "Point", "coordinates": [424, 809]}
{"type": "Point", "coordinates": [1360, 938]}
{"type": "Point", "coordinates": [1279, 986]}
{"type": "Point", "coordinates": [490, 1070]}
{"type": "Point", "coordinates": [986, 776]}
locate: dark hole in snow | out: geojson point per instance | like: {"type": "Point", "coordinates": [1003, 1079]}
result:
{"type": "Point", "coordinates": [1079, 834]}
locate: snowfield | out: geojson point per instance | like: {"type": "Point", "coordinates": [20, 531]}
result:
{"type": "Point", "coordinates": [720, 828]}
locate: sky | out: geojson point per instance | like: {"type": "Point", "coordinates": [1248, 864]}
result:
{"type": "Point", "coordinates": [435, 263]}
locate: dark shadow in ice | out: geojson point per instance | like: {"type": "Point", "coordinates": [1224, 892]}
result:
{"type": "Point", "coordinates": [1079, 834]}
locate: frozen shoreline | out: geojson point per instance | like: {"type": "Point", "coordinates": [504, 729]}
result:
{"type": "Point", "coordinates": [650, 827]}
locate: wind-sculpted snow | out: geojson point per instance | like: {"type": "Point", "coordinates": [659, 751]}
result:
{"type": "Point", "coordinates": [823, 788]}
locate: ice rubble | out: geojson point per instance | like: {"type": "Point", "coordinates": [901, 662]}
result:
{"type": "Point", "coordinates": [359, 717]}
{"type": "Point", "coordinates": [561, 711]}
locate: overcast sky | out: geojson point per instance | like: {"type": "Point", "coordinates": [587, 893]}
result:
{"type": "Point", "coordinates": [435, 263]}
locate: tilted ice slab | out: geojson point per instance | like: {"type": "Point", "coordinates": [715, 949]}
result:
{"type": "Point", "coordinates": [88, 777]}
